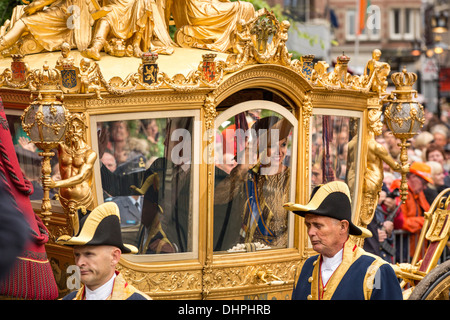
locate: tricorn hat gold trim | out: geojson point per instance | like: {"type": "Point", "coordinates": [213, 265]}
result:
{"type": "Point", "coordinates": [99, 227]}
{"type": "Point", "coordinates": [330, 200]}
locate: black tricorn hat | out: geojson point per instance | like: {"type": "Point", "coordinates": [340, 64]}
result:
{"type": "Point", "coordinates": [101, 226]}
{"type": "Point", "coordinates": [330, 200]}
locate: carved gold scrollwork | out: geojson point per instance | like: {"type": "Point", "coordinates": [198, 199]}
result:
{"type": "Point", "coordinates": [164, 283]}
{"type": "Point", "coordinates": [251, 46]}
{"type": "Point", "coordinates": [307, 110]}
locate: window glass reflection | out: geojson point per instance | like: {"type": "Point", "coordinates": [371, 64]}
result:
{"type": "Point", "coordinates": [252, 182]}
{"type": "Point", "coordinates": [334, 140]}
{"type": "Point", "coordinates": [146, 171]}
{"type": "Point", "coordinates": [29, 158]}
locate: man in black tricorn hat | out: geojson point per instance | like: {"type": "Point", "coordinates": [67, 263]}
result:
{"type": "Point", "coordinates": [97, 247]}
{"type": "Point", "coordinates": [342, 270]}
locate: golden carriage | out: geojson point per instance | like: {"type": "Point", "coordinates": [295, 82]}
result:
{"type": "Point", "coordinates": [194, 249]}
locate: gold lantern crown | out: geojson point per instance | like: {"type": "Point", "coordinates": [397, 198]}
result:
{"type": "Point", "coordinates": [46, 78]}
{"type": "Point", "coordinates": [404, 82]}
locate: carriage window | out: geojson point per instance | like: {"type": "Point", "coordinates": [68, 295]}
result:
{"type": "Point", "coordinates": [146, 170]}
{"type": "Point", "coordinates": [253, 179]}
{"type": "Point", "coordinates": [334, 143]}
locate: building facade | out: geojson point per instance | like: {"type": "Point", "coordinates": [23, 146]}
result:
{"type": "Point", "coordinates": [401, 29]}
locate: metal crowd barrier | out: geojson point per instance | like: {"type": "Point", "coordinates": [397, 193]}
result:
{"type": "Point", "coordinates": [401, 244]}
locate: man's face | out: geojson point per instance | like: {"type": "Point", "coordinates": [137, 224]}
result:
{"type": "Point", "coordinates": [97, 264]}
{"type": "Point", "coordinates": [416, 183]}
{"type": "Point", "coordinates": [327, 235]}
{"type": "Point", "coordinates": [109, 161]}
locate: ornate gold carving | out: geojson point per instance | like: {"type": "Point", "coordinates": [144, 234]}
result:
{"type": "Point", "coordinates": [128, 28]}
{"type": "Point", "coordinates": [376, 72]}
{"type": "Point", "coordinates": [440, 225]}
{"type": "Point", "coordinates": [208, 24]}
{"type": "Point", "coordinates": [307, 110]}
{"type": "Point", "coordinates": [220, 280]}
{"type": "Point", "coordinates": [89, 77]}
{"type": "Point", "coordinates": [374, 80]}
{"type": "Point", "coordinates": [251, 42]}
{"type": "Point", "coordinates": [210, 111]}
{"type": "Point", "coordinates": [167, 282]}
{"type": "Point", "coordinates": [373, 175]}
{"type": "Point", "coordinates": [76, 163]}
{"type": "Point", "coordinates": [18, 76]}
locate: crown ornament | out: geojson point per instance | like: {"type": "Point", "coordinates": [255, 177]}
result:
{"type": "Point", "coordinates": [404, 82]}
{"type": "Point", "coordinates": [46, 79]}
{"type": "Point", "coordinates": [343, 59]}
{"type": "Point", "coordinates": [209, 57]}
{"type": "Point", "coordinates": [149, 57]}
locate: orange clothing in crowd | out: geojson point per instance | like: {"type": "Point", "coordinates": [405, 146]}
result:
{"type": "Point", "coordinates": [413, 218]}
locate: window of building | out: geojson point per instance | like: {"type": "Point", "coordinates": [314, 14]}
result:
{"type": "Point", "coordinates": [297, 9]}
{"type": "Point", "coordinates": [371, 32]}
{"type": "Point", "coordinates": [404, 24]}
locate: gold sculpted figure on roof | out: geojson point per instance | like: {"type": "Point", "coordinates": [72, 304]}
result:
{"type": "Point", "coordinates": [46, 24]}
{"type": "Point", "coordinates": [376, 72]}
{"type": "Point", "coordinates": [140, 23]}
{"type": "Point", "coordinates": [208, 24]}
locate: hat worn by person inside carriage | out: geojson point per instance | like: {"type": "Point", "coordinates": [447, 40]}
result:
{"type": "Point", "coordinates": [97, 247]}
{"type": "Point", "coordinates": [342, 270]}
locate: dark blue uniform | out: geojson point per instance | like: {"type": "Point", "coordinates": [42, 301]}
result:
{"type": "Point", "coordinates": [361, 276]}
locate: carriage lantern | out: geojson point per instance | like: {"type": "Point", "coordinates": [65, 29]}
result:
{"type": "Point", "coordinates": [404, 117]}
{"type": "Point", "coordinates": [44, 121]}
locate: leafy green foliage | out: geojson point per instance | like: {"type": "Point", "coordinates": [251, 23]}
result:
{"type": "Point", "coordinates": [6, 8]}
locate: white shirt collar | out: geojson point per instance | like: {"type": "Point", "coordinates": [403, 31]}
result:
{"type": "Point", "coordinates": [101, 293]}
{"type": "Point", "coordinates": [329, 265]}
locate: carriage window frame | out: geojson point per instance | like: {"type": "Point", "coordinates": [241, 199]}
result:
{"type": "Point", "coordinates": [339, 113]}
{"type": "Point", "coordinates": [287, 114]}
{"type": "Point", "coordinates": [196, 143]}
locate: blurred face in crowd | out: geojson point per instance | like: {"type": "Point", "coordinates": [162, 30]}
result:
{"type": "Point", "coordinates": [438, 177]}
{"type": "Point", "coordinates": [119, 131]}
{"type": "Point", "coordinates": [437, 156]}
{"type": "Point", "coordinates": [152, 128]}
{"type": "Point", "coordinates": [316, 174]}
{"type": "Point", "coordinates": [416, 183]}
{"type": "Point", "coordinates": [440, 139]}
